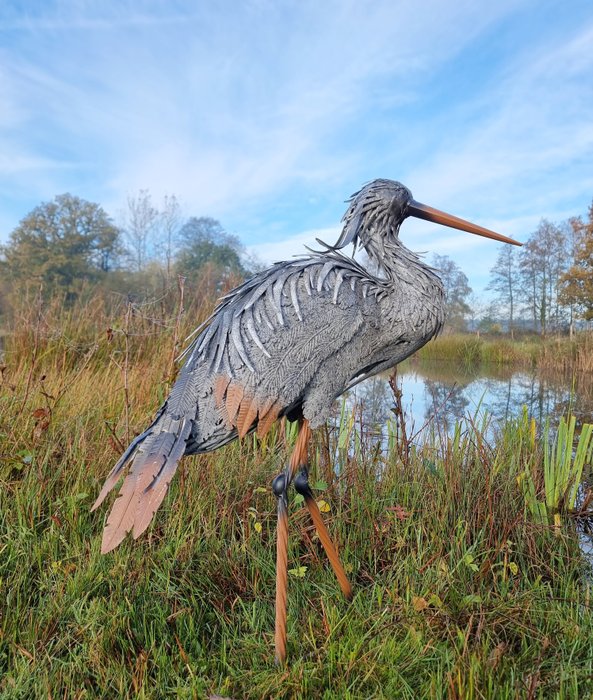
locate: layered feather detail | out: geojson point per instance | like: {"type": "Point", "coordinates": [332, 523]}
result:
{"type": "Point", "coordinates": [259, 302]}
{"type": "Point", "coordinates": [154, 462]}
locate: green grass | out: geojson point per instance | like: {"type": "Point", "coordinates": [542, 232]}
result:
{"type": "Point", "coordinates": [459, 592]}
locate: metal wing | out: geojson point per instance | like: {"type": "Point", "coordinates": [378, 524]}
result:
{"type": "Point", "coordinates": [271, 339]}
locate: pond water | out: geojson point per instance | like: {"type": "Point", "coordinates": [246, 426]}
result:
{"type": "Point", "coordinates": [435, 395]}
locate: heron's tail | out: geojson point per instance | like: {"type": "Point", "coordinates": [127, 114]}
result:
{"type": "Point", "coordinates": [152, 458]}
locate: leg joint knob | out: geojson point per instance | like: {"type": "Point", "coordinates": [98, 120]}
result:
{"type": "Point", "coordinates": [301, 483]}
{"type": "Point", "coordinates": [279, 485]}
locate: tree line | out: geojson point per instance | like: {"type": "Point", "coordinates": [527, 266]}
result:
{"type": "Point", "coordinates": [547, 285]}
{"type": "Point", "coordinates": [69, 246]}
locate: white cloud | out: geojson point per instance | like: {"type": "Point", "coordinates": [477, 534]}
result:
{"type": "Point", "coordinates": [534, 125]}
{"type": "Point", "coordinates": [234, 103]}
{"type": "Point", "coordinates": [274, 251]}
{"type": "Point", "coordinates": [268, 114]}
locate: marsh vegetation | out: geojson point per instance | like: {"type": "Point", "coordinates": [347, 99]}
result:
{"type": "Point", "coordinates": [464, 585]}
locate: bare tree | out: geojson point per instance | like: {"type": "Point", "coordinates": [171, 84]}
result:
{"type": "Point", "coordinates": [140, 220]}
{"type": "Point", "coordinates": [457, 290]}
{"type": "Point", "coordinates": [504, 281]}
{"type": "Point", "coordinates": [169, 225]}
{"type": "Point", "coordinates": [542, 262]}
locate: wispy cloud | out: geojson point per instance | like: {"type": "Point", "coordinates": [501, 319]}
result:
{"type": "Point", "coordinates": [536, 122]}
{"type": "Point", "coordinates": [294, 245]}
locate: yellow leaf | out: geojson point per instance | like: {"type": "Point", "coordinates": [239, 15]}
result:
{"type": "Point", "coordinates": [257, 527]}
{"type": "Point", "coordinates": [514, 568]}
{"type": "Point", "coordinates": [299, 572]}
{"type": "Point", "coordinates": [324, 506]}
{"type": "Point", "coordinates": [419, 603]}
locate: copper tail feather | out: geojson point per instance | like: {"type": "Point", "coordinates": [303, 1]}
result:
{"type": "Point", "coordinates": [152, 459]}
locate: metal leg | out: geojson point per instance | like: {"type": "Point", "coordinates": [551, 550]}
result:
{"type": "Point", "coordinates": [301, 484]}
{"type": "Point", "coordinates": [298, 462]}
{"type": "Point", "coordinates": [279, 486]}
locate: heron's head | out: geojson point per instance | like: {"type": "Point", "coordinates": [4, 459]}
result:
{"type": "Point", "coordinates": [376, 212]}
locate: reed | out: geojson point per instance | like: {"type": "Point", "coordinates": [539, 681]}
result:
{"type": "Point", "coordinates": [554, 353]}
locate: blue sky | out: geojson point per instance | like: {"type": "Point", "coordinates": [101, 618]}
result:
{"type": "Point", "coordinates": [268, 114]}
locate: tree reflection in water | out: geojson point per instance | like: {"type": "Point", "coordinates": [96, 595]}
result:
{"type": "Point", "coordinates": [436, 395]}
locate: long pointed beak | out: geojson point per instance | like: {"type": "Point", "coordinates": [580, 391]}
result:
{"type": "Point", "coordinates": [422, 211]}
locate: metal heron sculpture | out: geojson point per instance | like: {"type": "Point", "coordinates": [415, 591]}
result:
{"type": "Point", "coordinates": [288, 342]}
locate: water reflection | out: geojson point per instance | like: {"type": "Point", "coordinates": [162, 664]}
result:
{"type": "Point", "coordinates": [436, 395]}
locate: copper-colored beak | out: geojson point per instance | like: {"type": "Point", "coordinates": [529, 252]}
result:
{"type": "Point", "coordinates": [422, 211]}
